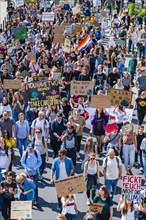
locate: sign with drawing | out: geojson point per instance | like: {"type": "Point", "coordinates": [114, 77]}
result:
{"type": "Point", "coordinates": [96, 208]}
{"type": "Point", "coordinates": [82, 87]}
{"type": "Point", "coordinates": [43, 93]}
{"type": "Point", "coordinates": [21, 210]}
{"type": "Point", "coordinates": [70, 185]}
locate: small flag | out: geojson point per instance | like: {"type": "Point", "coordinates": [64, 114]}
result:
{"type": "Point", "coordinates": [110, 127]}
{"type": "Point", "coordinates": [86, 42]}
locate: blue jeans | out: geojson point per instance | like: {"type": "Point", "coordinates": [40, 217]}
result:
{"type": "Point", "coordinates": [15, 115]}
{"type": "Point", "coordinates": [144, 164]}
{"type": "Point", "coordinates": [1, 169]}
{"type": "Point", "coordinates": [20, 143]}
{"type": "Point", "coordinates": [111, 185]}
{"type": "Point", "coordinates": [142, 52]}
{"type": "Point", "coordinates": [42, 167]}
{"type": "Point", "coordinates": [70, 216]}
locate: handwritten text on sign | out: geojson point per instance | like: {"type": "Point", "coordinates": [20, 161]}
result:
{"type": "Point", "coordinates": [43, 93]}
{"type": "Point", "coordinates": [131, 186]}
{"type": "Point", "coordinates": [81, 87]}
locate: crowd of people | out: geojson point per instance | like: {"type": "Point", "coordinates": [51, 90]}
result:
{"type": "Point", "coordinates": [35, 131]}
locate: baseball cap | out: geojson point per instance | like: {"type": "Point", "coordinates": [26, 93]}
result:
{"type": "Point", "coordinates": [30, 145]}
{"type": "Point", "coordinates": [59, 114]}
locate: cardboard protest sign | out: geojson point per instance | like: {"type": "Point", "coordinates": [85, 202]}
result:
{"type": "Point", "coordinates": [31, 56]}
{"type": "Point", "coordinates": [48, 16]}
{"type": "Point", "coordinates": [12, 84]}
{"type": "Point", "coordinates": [43, 93]}
{"type": "Point", "coordinates": [101, 101]}
{"type": "Point", "coordinates": [96, 208]}
{"type": "Point", "coordinates": [131, 187]}
{"type": "Point", "coordinates": [21, 209]}
{"type": "Point", "coordinates": [19, 33]}
{"type": "Point", "coordinates": [120, 97]}
{"type": "Point", "coordinates": [59, 30]}
{"type": "Point", "coordinates": [76, 29]}
{"type": "Point", "coordinates": [70, 185]}
{"type": "Point", "coordinates": [19, 3]}
{"type": "Point", "coordinates": [144, 206]}
{"type": "Point", "coordinates": [81, 87]}
{"type": "Point", "coordinates": [58, 38]}
{"type": "Point", "coordinates": [127, 128]}
{"type": "Point", "coordinates": [67, 45]}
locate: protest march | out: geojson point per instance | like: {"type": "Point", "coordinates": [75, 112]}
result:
{"type": "Point", "coordinates": [72, 110]}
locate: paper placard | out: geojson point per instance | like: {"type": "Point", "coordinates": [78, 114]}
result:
{"type": "Point", "coordinates": [12, 84]}
{"type": "Point", "coordinates": [144, 205]}
{"type": "Point", "coordinates": [81, 87]}
{"type": "Point", "coordinates": [57, 75]}
{"type": "Point", "coordinates": [21, 209]}
{"type": "Point", "coordinates": [96, 208]}
{"type": "Point", "coordinates": [67, 45]}
{"type": "Point", "coordinates": [48, 16]}
{"type": "Point", "coordinates": [24, 73]}
{"type": "Point", "coordinates": [70, 185]}
{"type": "Point", "coordinates": [58, 38]}
{"type": "Point", "coordinates": [76, 29]}
{"type": "Point", "coordinates": [76, 10]}
{"type": "Point", "coordinates": [101, 101]}
{"type": "Point", "coordinates": [68, 30]}
{"type": "Point", "coordinates": [119, 97]}
{"type": "Point", "coordinates": [43, 93]}
{"type": "Point", "coordinates": [131, 187]}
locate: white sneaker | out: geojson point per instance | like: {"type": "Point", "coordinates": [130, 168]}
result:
{"type": "Point", "coordinates": [141, 169]}
{"type": "Point", "coordinates": [77, 155]}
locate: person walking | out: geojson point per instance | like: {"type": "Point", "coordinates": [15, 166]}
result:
{"type": "Point", "coordinates": [22, 133]}
{"type": "Point", "coordinates": [31, 161]}
{"type": "Point", "coordinates": [112, 163]}
{"type": "Point", "coordinates": [91, 174]}
{"type": "Point", "coordinates": [62, 167]}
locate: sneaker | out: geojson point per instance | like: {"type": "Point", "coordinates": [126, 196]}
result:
{"type": "Point", "coordinates": [88, 202]}
{"type": "Point", "coordinates": [35, 203]}
{"type": "Point", "coordinates": [141, 169]}
{"type": "Point", "coordinates": [130, 172]}
{"type": "Point", "coordinates": [40, 177]}
{"type": "Point", "coordinates": [58, 208]}
{"type": "Point", "coordinates": [78, 155]}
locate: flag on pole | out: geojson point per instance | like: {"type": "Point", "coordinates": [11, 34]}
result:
{"type": "Point", "coordinates": [86, 42]}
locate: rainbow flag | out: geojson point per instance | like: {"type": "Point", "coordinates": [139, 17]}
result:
{"type": "Point", "coordinates": [84, 44]}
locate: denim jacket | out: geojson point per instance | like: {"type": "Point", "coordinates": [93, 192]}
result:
{"type": "Point", "coordinates": [55, 169]}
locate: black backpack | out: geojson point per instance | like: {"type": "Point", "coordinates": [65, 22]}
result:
{"type": "Point", "coordinates": [26, 156]}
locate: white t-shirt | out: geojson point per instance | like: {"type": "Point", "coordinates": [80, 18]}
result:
{"type": "Point", "coordinates": [4, 158]}
{"type": "Point", "coordinates": [129, 215]}
{"type": "Point", "coordinates": [40, 124]}
{"type": "Point", "coordinates": [62, 173]}
{"type": "Point", "coordinates": [69, 209]}
{"type": "Point", "coordinates": [112, 170]}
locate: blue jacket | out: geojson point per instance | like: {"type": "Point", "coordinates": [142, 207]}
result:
{"type": "Point", "coordinates": [55, 169]}
{"type": "Point", "coordinates": [28, 184]}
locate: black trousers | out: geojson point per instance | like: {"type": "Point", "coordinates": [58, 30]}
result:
{"type": "Point", "coordinates": [55, 145]}
{"type": "Point", "coordinates": [79, 139]}
{"type": "Point", "coordinates": [140, 115]}
{"type": "Point", "coordinates": [101, 216]}
{"type": "Point", "coordinates": [6, 208]}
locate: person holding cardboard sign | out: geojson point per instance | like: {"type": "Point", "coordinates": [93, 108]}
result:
{"type": "Point", "coordinates": [104, 198]}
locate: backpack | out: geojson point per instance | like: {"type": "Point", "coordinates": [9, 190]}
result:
{"type": "Point", "coordinates": [117, 159]}
{"type": "Point", "coordinates": [26, 156]}
{"type": "Point", "coordinates": [45, 123]}
{"type": "Point", "coordinates": [43, 140]}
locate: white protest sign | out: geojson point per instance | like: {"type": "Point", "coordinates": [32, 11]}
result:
{"type": "Point", "coordinates": [131, 187]}
{"type": "Point", "coordinates": [48, 16]}
{"type": "Point", "coordinates": [68, 30]}
{"type": "Point", "coordinates": [19, 3]}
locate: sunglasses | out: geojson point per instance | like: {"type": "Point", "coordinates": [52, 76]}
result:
{"type": "Point", "coordinates": [60, 155]}
{"type": "Point", "coordinates": [89, 218]}
{"type": "Point", "coordinates": [38, 132]}
{"type": "Point", "coordinates": [92, 158]}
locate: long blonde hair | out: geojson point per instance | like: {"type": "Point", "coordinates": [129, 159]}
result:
{"type": "Point", "coordinates": [89, 148]}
